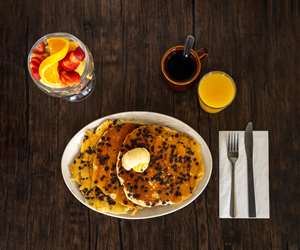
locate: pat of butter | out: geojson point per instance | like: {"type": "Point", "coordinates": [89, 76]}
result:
{"type": "Point", "coordinates": [137, 159]}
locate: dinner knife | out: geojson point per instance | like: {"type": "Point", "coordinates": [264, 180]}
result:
{"type": "Point", "coordinates": [249, 154]}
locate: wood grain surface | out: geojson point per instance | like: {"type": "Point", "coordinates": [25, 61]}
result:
{"type": "Point", "coordinates": [256, 41]}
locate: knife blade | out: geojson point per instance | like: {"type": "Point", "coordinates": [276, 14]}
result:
{"type": "Point", "coordinates": [249, 154]}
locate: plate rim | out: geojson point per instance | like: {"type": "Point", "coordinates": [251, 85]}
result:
{"type": "Point", "coordinates": [115, 116]}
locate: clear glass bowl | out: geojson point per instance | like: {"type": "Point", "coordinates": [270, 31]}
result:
{"type": "Point", "coordinates": [87, 80]}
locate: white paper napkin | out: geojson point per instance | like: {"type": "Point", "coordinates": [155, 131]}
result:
{"type": "Point", "coordinates": [260, 173]}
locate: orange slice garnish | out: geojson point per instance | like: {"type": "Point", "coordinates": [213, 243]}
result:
{"type": "Point", "coordinates": [51, 75]}
{"type": "Point", "coordinates": [48, 70]}
{"type": "Point", "coordinates": [55, 44]}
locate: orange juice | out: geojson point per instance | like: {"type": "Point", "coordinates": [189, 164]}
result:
{"type": "Point", "coordinates": [216, 91]}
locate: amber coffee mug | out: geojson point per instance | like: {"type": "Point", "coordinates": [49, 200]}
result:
{"type": "Point", "coordinates": [181, 65]}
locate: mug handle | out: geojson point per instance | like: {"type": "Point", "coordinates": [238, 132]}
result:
{"type": "Point", "coordinates": [202, 53]}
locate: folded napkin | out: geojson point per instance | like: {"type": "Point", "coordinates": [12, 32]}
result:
{"type": "Point", "coordinates": [260, 174]}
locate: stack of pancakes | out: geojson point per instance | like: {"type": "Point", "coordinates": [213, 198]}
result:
{"type": "Point", "coordinates": [175, 169]}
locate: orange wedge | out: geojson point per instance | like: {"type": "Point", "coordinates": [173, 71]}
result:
{"type": "Point", "coordinates": [55, 44]}
{"type": "Point", "coordinates": [51, 75]}
{"type": "Point", "coordinates": [48, 68]}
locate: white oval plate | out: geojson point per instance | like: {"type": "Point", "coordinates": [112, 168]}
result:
{"type": "Point", "coordinates": [73, 148]}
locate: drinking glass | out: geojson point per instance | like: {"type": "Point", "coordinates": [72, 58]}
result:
{"type": "Point", "coordinates": [74, 93]}
{"type": "Point", "coordinates": [216, 91]}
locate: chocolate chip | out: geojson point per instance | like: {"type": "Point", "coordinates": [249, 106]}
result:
{"type": "Point", "coordinates": [89, 150]}
{"type": "Point", "coordinates": [177, 193]}
{"type": "Point", "coordinates": [103, 158]}
{"type": "Point", "coordinates": [111, 201]}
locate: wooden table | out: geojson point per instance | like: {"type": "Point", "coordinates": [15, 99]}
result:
{"type": "Point", "coordinates": [257, 42]}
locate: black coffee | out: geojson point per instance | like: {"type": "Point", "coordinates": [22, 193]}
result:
{"type": "Point", "coordinates": [179, 67]}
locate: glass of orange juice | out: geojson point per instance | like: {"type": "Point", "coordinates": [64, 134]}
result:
{"type": "Point", "coordinates": [216, 91]}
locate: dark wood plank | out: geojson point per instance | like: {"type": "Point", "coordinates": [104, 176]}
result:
{"type": "Point", "coordinates": [14, 184]}
{"type": "Point", "coordinates": [14, 132]}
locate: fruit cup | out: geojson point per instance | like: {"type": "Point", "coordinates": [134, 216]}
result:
{"type": "Point", "coordinates": [62, 66]}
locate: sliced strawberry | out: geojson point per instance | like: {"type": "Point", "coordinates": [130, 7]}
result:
{"type": "Point", "coordinates": [40, 56]}
{"type": "Point", "coordinates": [79, 53]}
{"type": "Point", "coordinates": [35, 61]}
{"type": "Point", "coordinates": [72, 57]}
{"type": "Point", "coordinates": [67, 65]}
{"type": "Point", "coordinates": [35, 73]}
{"type": "Point", "coordinates": [69, 78]}
{"type": "Point", "coordinates": [34, 65]}
{"type": "Point", "coordinates": [40, 48]}
{"type": "Point", "coordinates": [59, 67]}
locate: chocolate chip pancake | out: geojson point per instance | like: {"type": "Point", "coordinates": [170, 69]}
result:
{"type": "Point", "coordinates": [81, 171]}
{"type": "Point", "coordinates": [107, 150]}
{"type": "Point", "coordinates": [176, 166]}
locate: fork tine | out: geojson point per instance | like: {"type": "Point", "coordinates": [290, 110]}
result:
{"type": "Point", "coordinates": [235, 142]}
{"type": "Point", "coordinates": [230, 142]}
{"type": "Point", "coordinates": [227, 142]}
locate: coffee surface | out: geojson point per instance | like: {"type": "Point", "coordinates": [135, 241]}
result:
{"type": "Point", "coordinates": [179, 67]}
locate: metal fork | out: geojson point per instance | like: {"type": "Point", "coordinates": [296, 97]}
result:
{"type": "Point", "coordinates": [233, 155]}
